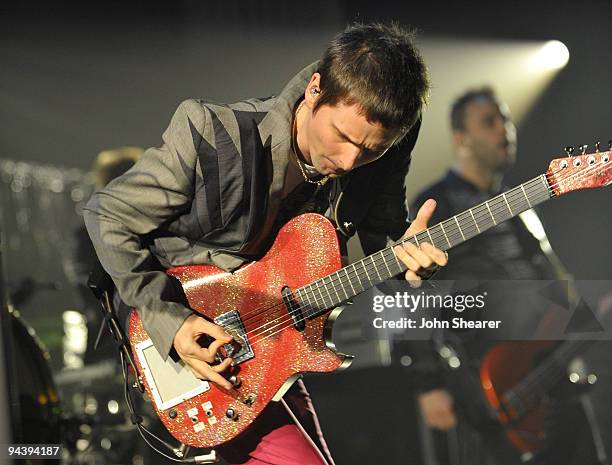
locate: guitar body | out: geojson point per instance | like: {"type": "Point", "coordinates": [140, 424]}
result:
{"type": "Point", "coordinates": [305, 249]}
{"type": "Point", "coordinates": [504, 366]}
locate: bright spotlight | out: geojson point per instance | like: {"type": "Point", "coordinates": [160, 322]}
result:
{"type": "Point", "coordinates": [552, 55]}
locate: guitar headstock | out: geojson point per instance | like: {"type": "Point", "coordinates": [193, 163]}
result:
{"type": "Point", "coordinates": [584, 171]}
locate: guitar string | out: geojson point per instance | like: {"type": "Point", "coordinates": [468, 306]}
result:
{"type": "Point", "coordinates": [526, 399]}
{"type": "Point", "coordinates": [496, 208]}
{"type": "Point", "coordinates": [525, 389]}
{"type": "Point", "coordinates": [285, 318]}
{"type": "Point", "coordinates": [289, 319]}
{"type": "Point", "coordinates": [333, 282]}
{"type": "Point", "coordinates": [480, 213]}
{"type": "Point", "coordinates": [363, 272]}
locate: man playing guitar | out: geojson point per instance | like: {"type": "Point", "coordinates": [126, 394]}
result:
{"type": "Point", "coordinates": [337, 140]}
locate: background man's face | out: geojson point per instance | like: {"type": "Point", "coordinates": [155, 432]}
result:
{"type": "Point", "coordinates": [489, 136]}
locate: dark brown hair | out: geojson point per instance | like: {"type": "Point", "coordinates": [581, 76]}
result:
{"type": "Point", "coordinates": [457, 114]}
{"type": "Point", "coordinates": [378, 67]}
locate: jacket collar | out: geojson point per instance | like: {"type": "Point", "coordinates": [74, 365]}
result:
{"type": "Point", "coordinates": [276, 125]}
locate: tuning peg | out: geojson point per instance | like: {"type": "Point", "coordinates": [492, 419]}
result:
{"type": "Point", "coordinates": [583, 148]}
{"type": "Point", "coordinates": [597, 146]}
{"type": "Point", "coordinates": [569, 150]}
{"type": "Point", "coordinates": [610, 145]}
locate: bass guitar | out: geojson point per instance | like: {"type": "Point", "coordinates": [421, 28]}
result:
{"type": "Point", "coordinates": [517, 378]}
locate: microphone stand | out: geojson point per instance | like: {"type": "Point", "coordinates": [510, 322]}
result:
{"type": "Point", "coordinates": [6, 396]}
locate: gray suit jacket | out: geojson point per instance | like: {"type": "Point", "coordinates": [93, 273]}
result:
{"type": "Point", "coordinates": [210, 195]}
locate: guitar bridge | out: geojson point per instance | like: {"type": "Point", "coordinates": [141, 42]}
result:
{"type": "Point", "coordinates": [239, 349]}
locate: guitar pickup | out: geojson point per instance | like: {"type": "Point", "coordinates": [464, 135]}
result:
{"type": "Point", "coordinates": [239, 349]}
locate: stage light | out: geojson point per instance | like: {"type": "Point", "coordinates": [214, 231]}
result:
{"type": "Point", "coordinates": [552, 55]}
{"type": "Point", "coordinates": [113, 406]}
{"type": "Point", "coordinates": [518, 70]}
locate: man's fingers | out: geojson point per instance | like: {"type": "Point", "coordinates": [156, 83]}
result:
{"type": "Point", "coordinates": [423, 260]}
{"type": "Point", "coordinates": [410, 262]}
{"type": "Point", "coordinates": [423, 216]}
{"type": "Point", "coordinates": [214, 330]}
{"type": "Point", "coordinates": [224, 365]}
{"type": "Point", "coordinates": [438, 256]}
{"type": "Point", "coordinates": [444, 422]}
{"type": "Point", "coordinates": [204, 371]}
{"type": "Point", "coordinates": [208, 353]}
{"type": "Point", "coordinates": [202, 353]}
{"type": "Point", "coordinates": [437, 409]}
{"type": "Point", "coordinates": [198, 357]}
{"type": "Point", "coordinates": [216, 378]}
{"type": "Point", "coordinates": [414, 280]}
{"type": "Point", "coordinates": [215, 346]}
{"type": "Point", "coordinates": [445, 419]}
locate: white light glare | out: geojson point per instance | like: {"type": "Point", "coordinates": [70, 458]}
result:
{"type": "Point", "coordinates": [552, 55]}
{"type": "Point", "coordinates": [113, 406]}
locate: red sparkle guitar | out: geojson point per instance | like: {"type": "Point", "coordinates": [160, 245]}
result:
{"type": "Point", "coordinates": [280, 309]}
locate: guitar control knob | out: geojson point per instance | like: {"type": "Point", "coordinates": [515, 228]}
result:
{"type": "Point", "coordinates": [231, 414]}
{"type": "Point", "coordinates": [349, 227]}
{"type": "Point", "coordinates": [236, 382]}
{"type": "Point", "coordinates": [250, 399]}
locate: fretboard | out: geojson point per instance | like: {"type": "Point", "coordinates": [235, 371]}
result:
{"type": "Point", "coordinates": [319, 296]}
{"type": "Point", "coordinates": [542, 379]}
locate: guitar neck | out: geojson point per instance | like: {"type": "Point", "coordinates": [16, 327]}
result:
{"type": "Point", "coordinates": [319, 296]}
{"type": "Point", "coordinates": [547, 374]}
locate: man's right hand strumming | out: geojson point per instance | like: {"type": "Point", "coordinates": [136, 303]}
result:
{"type": "Point", "coordinates": [200, 359]}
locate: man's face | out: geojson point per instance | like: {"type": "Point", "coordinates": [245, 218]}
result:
{"type": "Point", "coordinates": [340, 139]}
{"type": "Point", "coordinates": [488, 137]}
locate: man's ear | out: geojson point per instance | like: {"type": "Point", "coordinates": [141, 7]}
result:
{"type": "Point", "coordinates": [460, 138]}
{"type": "Point", "coordinates": [461, 141]}
{"type": "Point", "coordinates": [312, 91]}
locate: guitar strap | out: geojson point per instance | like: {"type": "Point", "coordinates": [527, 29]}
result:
{"type": "Point", "coordinates": [598, 443]}
{"type": "Point", "coordinates": [306, 435]}
{"type": "Point", "coordinates": [533, 225]}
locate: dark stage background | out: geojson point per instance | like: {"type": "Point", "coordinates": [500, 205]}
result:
{"type": "Point", "coordinates": [77, 78]}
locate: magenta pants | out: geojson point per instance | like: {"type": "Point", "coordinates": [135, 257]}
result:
{"type": "Point", "coordinates": [275, 439]}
